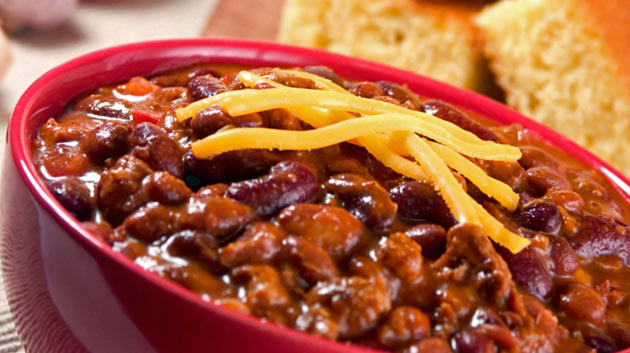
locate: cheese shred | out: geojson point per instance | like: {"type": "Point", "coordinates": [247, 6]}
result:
{"type": "Point", "coordinates": [390, 133]}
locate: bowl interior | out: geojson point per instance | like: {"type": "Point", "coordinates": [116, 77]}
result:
{"type": "Point", "coordinates": [49, 94]}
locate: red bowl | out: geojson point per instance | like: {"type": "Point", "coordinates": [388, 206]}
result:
{"type": "Point", "coordinates": [69, 292]}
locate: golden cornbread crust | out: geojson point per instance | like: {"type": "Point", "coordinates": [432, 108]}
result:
{"type": "Point", "coordinates": [560, 62]}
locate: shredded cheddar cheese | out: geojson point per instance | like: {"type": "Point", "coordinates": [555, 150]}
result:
{"type": "Point", "coordinates": [389, 132]}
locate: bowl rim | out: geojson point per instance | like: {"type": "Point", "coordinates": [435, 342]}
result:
{"type": "Point", "coordinates": [265, 53]}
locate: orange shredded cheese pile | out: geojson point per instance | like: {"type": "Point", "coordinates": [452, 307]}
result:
{"type": "Point", "coordinates": [389, 132]}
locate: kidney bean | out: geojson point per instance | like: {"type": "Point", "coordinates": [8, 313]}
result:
{"type": "Point", "coordinates": [470, 341]}
{"type": "Point", "coordinates": [153, 145]}
{"type": "Point", "coordinates": [200, 87]}
{"type": "Point", "coordinates": [445, 111]}
{"type": "Point", "coordinates": [600, 343]}
{"type": "Point", "coordinates": [431, 237]}
{"type": "Point", "coordinates": [119, 188]}
{"type": "Point", "coordinates": [400, 93]}
{"type": "Point", "coordinates": [601, 236]}
{"type": "Point", "coordinates": [105, 107]}
{"type": "Point", "coordinates": [564, 260]}
{"type": "Point", "coordinates": [402, 256]}
{"type": "Point", "coordinates": [165, 188]}
{"type": "Point", "coordinates": [365, 199]}
{"type": "Point", "coordinates": [150, 223]}
{"type": "Point", "coordinates": [196, 244]}
{"type": "Point", "coordinates": [365, 89]}
{"type": "Point", "coordinates": [313, 263]}
{"type": "Point", "coordinates": [220, 216]}
{"type": "Point", "coordinates": [73, 195]}
{"type": "Point", "coordinates": [356, 303]}
{"type": "Point", "coordinates": [317, 321]}
{"type": "Point", "coordinates": [536, 157]}
{"type": "Point", "coordinates": [235, 165]}
{"type": "Point", "coordinates": [511, 173]}
{"type": "Point", "coordinates": [570, 200]}
{"type": "Point", "coordinates": [540, 216]}
{"type": "Point", "coordinates": [324, 72]}
{"type": "Point", "coordinates": [539, 179]}
{"type": "Point", "coordinates": [419, 201]}
{"type": "Point", "coordinates": [259, 244]}
{"type": "Point", "coordinates": [329, 227]}
{"type": "Point", "coordinates": [265, 294]}
{"type": "Point", "coordinates": [403, 326]}
{"type": "Point", "coordinates": [110, 140]}
{"type": "Point", "coordinates": [581, 302]}
{"type": "Point", "coordinates": [287, 183]}
{"type": "Point", "coordinates": [281, 119]}
{"type": "Point", "coordinates": [208, 120]}
{"type": "Point", "coordinates": [429, 345]}
{"type": "Point", "coordinates": [529, 271]}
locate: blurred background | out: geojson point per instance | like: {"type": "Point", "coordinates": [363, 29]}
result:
{"type": "Point", "coordinates": [562, 62]}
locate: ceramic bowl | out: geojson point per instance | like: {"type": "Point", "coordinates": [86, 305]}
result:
{"type": "Point", "coordinates": [69, 292]}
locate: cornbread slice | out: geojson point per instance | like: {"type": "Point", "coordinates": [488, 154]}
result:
{"type": "Point", "coordinates": [434, 38]}
{"type": "Point", "coordinates": [566, 64]}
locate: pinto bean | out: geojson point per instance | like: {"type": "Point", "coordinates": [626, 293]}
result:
{"type": "Point", "coordinates": [199, 245]}
{"type": "Point", "coordinates": [356, 303]}
{"type": "Point", "coordinates": [150, 223]}
{"type": "Point", "coordinates": [165, 188]}
{"type": "Point", "coordinates": [402, 256]}
{"type": "Point", "coordinates": [313, 263]}
{"type": "Point", "coordinates": [73, 195]}
{"type": "Point", "coordinates": [582, 303]}
{"type": "Point", "coordinates": [400, 93]}
{"type": "Point", "coordinates": [540, 179]}
{"type": "Point", "coordinates": [287, 183]}
{"type": "Point", "coordinates": [324, 72]}
{"type": "Point", "coordinates": [570, 200]}
{"type": "Point", "coordinates": [281, 119]}
{"type": "Point", "coordinates": [419, 201]}
{"type": "Point", "coordinates": [563, 257]}
{"type": "Point", "coordinates": [102, 230]}
{"type": "Point", "coordinates": [105, 107]}
{"type": "Point", "coordinates": [318, 322]}
{"type": "Point", "coordinates": [366, 89]}
{"type": "Point", "coordinates": [209, 120]}
{"type": "Point", "coordinates": [429, 345]}
{"type": "Point", "coordinates": [259, 244]}
{"type": "Point", "coordinates": [365, 199]}
{"type": "Point", "coordinates": [471, 341]}
{"type": "Point", "coordinates": [329, 227]}
{"type": "Point", "coordinates": [403, 326]}
{"type": "Point", "coordinates": [219, 216]}
{"type": "Point", "coordinates": [265, 294]}
{"type": "Point", "coordinates": [110, 140]}
{"type": "Point", "coordinates": [536, 157]}
{"type": "Point", "coordinates": [119, 189]}
{"type": "Point", "coordinates": [153, 145]}
{"type": "Point", "coordinates": [200, 87]}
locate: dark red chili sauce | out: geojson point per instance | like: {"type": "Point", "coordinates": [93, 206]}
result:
{"type": "Point", "coordinates": [330, 241]}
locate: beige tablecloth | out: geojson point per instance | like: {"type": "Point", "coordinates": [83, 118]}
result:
{"type": "Point", "coordinates": [96, 24]}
